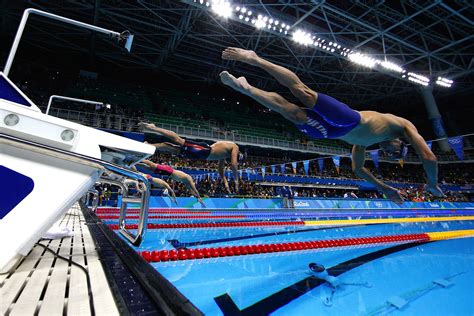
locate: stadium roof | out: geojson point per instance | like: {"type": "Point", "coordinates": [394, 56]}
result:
{"type": "Point", "coordinates": [184, 39]}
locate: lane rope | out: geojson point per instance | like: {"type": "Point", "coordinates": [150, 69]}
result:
{"type": "Point", "coordinates": [230, 251]}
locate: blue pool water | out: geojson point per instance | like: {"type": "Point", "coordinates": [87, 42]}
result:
{"type": "Point", "coordinates": [434, 278]}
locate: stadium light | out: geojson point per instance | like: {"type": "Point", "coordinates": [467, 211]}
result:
{"type": "Point", "coordinates": [362, 60]}
{"type": "Point", "coordinates": [391, 66]}
{"type": "Point", "coordinates": [444, 82]}
{"type": "Point", "coordinates": [302, 37]}
{"type": "Point", "coordinates": [260, 24]}
{"type": "Point", "coordinates": [423, 83]}
{"type": "Point", "coordinates": [222, 8]}
{"type": "Point", "coordinates": [268, 23]}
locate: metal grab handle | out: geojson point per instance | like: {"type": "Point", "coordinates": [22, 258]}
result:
{"type": "Point", "coordinates": [101, 165]}
{"type": "Point", "coordinates": [134, 239]}
{"type": "Point", "coordinates": [95, 199]}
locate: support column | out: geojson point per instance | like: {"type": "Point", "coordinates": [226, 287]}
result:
{"type": "Point", "coordinates": [435, 117]}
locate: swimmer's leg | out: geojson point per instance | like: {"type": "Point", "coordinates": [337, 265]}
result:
{"type": "Point", "coordinates": [284, 76]}
{"type": "Point", "coordinates": [328, 300]}
{"type": "Point", "coordinates": [167, 148]}
{"type": "Point", "coordinates": [150, 166]}
{"type": "Point", "coordinates": [270, 100]}
{"type": "Point", "coordinates": [151, 128]}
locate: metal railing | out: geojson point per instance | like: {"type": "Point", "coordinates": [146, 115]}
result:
{"type": "Point", "coordinates": [143, 201]}
{"type": "Point", "coordinates": [122, 122]}
{"type": "Point", "coordinates": [111, 171]}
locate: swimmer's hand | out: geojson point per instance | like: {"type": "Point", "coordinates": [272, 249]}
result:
{"type": "Point", "coordinates": [434, 189]}
{"type": "Point", "coordinates": [393, 194]}
{"type": "Point", "coordinates": [226, 184]}
{"type": "Point", "coordinates": [202, 202]}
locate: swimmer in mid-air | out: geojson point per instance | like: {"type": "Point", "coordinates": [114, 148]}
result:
{"type": "Point", "coordinates": [186, 148]}
{"type": "Point", "coordinates": [176, 175]}
{"type": "Point", "coordinates": [319, 272]}
{"type": "Point", "coordinates": [154, 182]}
{"type": "Point", "coordinates": [322, 116]}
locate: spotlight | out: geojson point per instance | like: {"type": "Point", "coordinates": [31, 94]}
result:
{"type": "Point", "coordinates": [222, 8]}
{"type": "Point", "coordinates": [302, 37]}
{"type": "Point", "coordinates": [419, 77]}
{"type": "Point", "coordinates": [423, 83]}
{"type": "Point", "coordinates": [443, 84]}
{"type": "Point", "coordinates": [362, 60]}
{"type": "Point", "coordinates": [260, 24]}
{"type": "Point", "coordinates": [391, 66]}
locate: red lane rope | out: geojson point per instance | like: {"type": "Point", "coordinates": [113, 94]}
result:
{"type": "Point", "coordinates": [202, 253]}
{"type": "Point", "coordinates": [151, 210]}
{"type": "Point", "coordinates": [208, 225]}
{"type": "Point", "coordinates": [176, 217]}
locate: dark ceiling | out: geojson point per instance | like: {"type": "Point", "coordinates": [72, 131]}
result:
{"type": "Point", "coordinates": [183, 41]}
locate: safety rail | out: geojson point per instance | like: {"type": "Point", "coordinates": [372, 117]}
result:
{"type": "Point", "coordinates": [111, 169]}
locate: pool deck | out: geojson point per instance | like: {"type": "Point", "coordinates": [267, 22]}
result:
{"type": "Point", "coordinates": [45, 285]}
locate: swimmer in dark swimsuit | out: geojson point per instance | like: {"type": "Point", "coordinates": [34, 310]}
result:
{"type": "Point", "coordinates": [176, 175]}
{"type": "Point", "coordinates": [219, 151]}
{"type": "Point", "coordinates": [322, 116]}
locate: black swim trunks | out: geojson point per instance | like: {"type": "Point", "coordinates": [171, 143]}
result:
{"type": "Point", "coordinates": [195, 150]}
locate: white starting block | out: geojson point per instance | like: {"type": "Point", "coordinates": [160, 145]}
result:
{"type": "Point", "coordinates": [46, 165]}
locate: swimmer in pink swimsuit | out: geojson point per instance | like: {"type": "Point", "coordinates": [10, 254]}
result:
{"type": "Point", "coordinates": [176, 175]}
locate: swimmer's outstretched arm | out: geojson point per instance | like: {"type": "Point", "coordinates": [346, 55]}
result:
{"type": "Point", "coordinates": [429, 160]}
{"type": "Point", "coordinates": [187, 180]}
{"type": "Point", "coordinates": [165, 185]}
{"type": "Point", "coordinates": [358, 160]}
{"type": "Point", "coordinates": [221, 170]}
{"type": "Point", "coordinates": [235, 166]}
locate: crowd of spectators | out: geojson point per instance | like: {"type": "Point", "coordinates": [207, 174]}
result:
{"type": "Point", "coordinates": [410, 173]}
{"type": "Point", "coordinates": [215, 188]}
{"type": "Point", "coordinates": [459, 174]}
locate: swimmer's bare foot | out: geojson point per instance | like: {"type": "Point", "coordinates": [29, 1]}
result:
{"type": "Point", "coordinates": [239, 54]}
{"type": "Point", "coordinates": [143, 126]}
{"type": "Point", "coordinates": [240, 84]}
